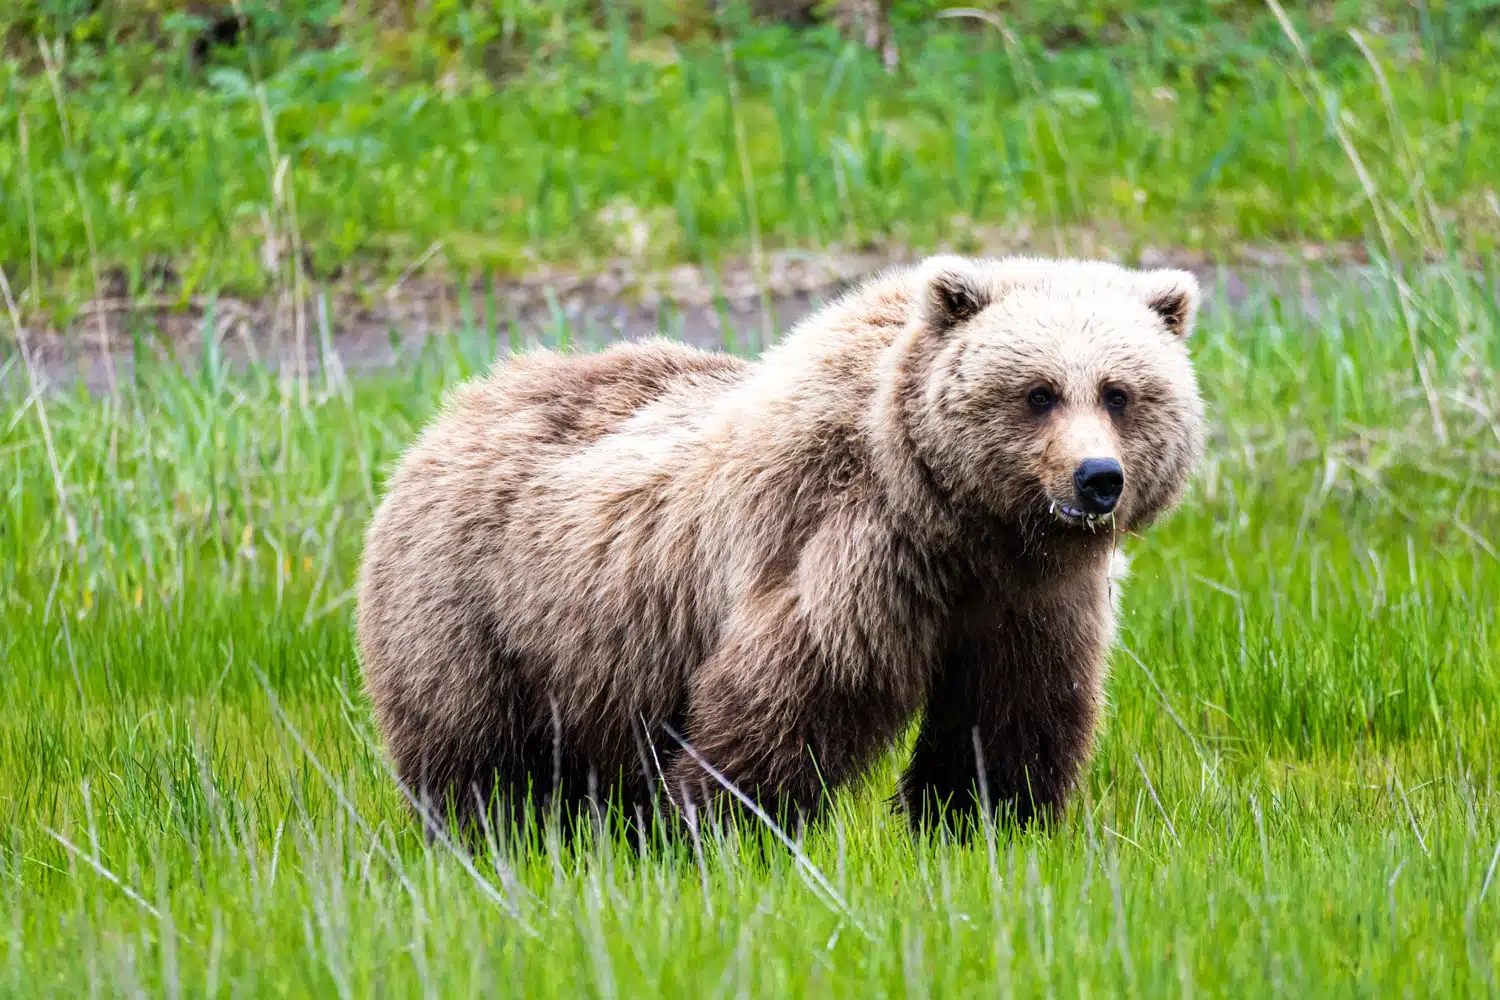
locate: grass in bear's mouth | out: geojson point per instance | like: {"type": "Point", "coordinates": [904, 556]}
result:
{"type": "Point", "coordinates": [1071, 516]}
{"type": "Point", "coordinates": [1295, 791]}
{"type": "Point", "coordinates": [1068, 514]}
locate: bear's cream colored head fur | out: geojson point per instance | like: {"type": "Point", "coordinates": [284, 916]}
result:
{"type": "Point", "coordinates": [1057, 394]}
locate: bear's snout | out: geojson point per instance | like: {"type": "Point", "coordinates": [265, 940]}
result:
{"type": "Point", "coordinates": [1098, 483]}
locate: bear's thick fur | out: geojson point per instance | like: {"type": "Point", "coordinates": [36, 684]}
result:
{"type": "Point", "coordinates": [785, 560]}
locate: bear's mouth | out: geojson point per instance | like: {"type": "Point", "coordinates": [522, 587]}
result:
{"type": "Point", "coordinates": [1072, 516]}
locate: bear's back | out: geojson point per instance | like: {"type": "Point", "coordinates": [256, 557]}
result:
{"type": "Point", "coordinates": [579, 398]}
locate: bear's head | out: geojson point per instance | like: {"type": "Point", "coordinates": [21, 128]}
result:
{"type": "Point", "coordinates": [1057, 395]}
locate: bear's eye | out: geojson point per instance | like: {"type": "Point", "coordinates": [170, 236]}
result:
{"type": "Point", "coordinates": [1116, 399]}
{"type": "Point", "coordinates": [1040, 398]}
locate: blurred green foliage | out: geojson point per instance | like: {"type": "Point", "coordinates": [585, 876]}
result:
{"type": "Point", "coordinates": [411, 37]}
{"type": "Point", "coordinates": [516, 133]}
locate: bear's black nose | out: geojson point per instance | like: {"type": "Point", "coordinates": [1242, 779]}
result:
{"type": "Point", "coordinates": [1099, 482]}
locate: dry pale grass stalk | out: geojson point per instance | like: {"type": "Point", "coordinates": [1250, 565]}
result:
{"type": "Point", "coordinates": [288, 265]}
{"type": "Point", "coordinates": [747, 179]}
{"type": "Point", "coordinates": [1017, 55]}
{"type": "Point", "coordinates": [54, 78]}
{"type": "Point", "coordinates": [1377, 206]}
{"type": "Point", "coordinates": [70, 524]}
{"type": "Point", "coordinates": [31, 229]}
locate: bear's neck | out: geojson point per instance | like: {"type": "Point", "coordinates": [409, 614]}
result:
{"type": "Point", "coordinates": [998, 555]}
{"type": "Point", "coordinates": [916, 496]}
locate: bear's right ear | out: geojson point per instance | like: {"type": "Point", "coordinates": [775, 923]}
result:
{"type": "Point", "coordinates": [951, 291]}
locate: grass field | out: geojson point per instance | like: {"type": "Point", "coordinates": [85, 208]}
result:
{"type": "Point", "coordinates": [1297, 791]}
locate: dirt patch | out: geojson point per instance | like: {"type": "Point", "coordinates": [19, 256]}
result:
{"type": "Point", "coordinates": [743, 305]}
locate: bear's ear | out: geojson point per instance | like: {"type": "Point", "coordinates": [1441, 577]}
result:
{"type": "Point", "coordinates": [951, 291]}
{"type": "Point", "coordinates": [1173, 295]}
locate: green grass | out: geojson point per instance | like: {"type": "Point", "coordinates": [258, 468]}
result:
{"type": "Point", "coordinates": [1296, 792]}
{"type": "Point", "coordinates": [519, 135]}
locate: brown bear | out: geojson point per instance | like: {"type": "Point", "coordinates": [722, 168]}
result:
{"type": "Point", "coordinates": [909, 504]}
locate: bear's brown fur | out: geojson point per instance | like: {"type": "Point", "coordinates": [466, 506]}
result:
{"type": "Point", "coordinates": [784, 561]}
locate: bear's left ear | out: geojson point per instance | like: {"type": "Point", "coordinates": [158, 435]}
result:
{"type": "Point", "coordinates": [951, 291]}
{"type": "Point", "coordinates": [1173, 295]}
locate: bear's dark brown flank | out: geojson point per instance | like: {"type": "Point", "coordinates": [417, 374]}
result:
{"type": "Point", "coordinates": [781, 561]}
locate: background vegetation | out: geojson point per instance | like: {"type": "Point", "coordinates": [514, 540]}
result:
{"type": "Point", "coordinates": [204, 147]}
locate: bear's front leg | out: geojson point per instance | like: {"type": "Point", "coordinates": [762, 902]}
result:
{"type": "Point", "coordinates": [815, 671]}
{"type": "Point", "coordinates": [782, 718]}
{"type": "Point", "coordinates": [1009, 722]}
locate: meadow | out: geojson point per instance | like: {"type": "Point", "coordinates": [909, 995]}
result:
{"type": "Point", "coordinates": [1296, 787]}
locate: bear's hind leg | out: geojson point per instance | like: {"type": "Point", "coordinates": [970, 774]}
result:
{"type": "Point", "coordinates": [461, 759]}
{"type": "Point", "coordinates": [554, 788]}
